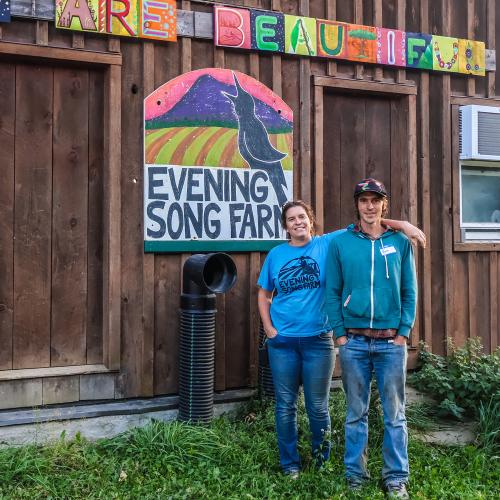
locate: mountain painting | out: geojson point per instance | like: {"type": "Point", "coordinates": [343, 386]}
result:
{"type": "Point", "coordinates": [191, 121]}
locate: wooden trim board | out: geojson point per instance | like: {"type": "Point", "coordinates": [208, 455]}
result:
{"type": "Point", "coordinates": [54, 371]}
{"type": "Point", "coordinates": [60, 54]}
{"type": "Point", "coordinates": [365, 86]}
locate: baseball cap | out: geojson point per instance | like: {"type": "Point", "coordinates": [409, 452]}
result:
{"type": "Point", "coordinates": [370, 185]}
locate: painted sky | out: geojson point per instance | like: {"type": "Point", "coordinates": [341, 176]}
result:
{"type": "Point", "coordinates": [170, 93]}
{"type": "Point", "coordinates": [205, 104]}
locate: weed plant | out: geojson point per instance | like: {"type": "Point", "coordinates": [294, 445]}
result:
{"type": "Point", "coordinates": [462, 382]}
{"type": "Point", "coordinates": [489, 426]}
{"type": "Point", "coordinates": [231, 459]}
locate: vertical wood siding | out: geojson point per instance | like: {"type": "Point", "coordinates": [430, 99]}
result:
{"type": "Point", "coordinates": [459, 291]}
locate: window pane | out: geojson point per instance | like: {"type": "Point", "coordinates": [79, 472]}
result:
{"type": "Point", "coordinates": [480, 194]}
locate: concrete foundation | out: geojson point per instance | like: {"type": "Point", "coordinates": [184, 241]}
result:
{"type": "Point", "coordinates": [96, 421]}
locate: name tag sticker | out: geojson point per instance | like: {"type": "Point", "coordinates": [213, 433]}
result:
{"type": "Point", "coordinates": [387, 250]}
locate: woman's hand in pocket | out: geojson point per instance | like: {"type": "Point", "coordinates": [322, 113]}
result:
{"type": "Point", "coordinates": [270, 332]}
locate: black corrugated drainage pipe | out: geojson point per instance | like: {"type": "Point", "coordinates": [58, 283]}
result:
{"type": "Point", "coordinates": [204, 275]}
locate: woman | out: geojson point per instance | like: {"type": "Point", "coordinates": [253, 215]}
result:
{"type": "Point", "coordinates": [300, 344]}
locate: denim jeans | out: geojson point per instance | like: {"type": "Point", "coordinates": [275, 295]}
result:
{"type": "Point", "coordinates": [360, 358]}
{"type": "Point", "coordinates": [309, 360]}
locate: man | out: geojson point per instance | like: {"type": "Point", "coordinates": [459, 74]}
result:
{"type": "Point", "coordinates": [371, 295]}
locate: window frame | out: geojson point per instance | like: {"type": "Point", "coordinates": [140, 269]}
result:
{"type": "Point", "coordinates": [460, 245]}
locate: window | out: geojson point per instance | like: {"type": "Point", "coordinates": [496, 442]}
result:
{"type": "Point", "coordinates": [480, 201]}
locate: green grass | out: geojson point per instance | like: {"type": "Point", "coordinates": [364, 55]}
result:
{"type": "Point", "coordinates": [230, 459]}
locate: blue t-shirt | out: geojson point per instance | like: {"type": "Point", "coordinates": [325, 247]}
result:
{"type": "Point", "coordinates": [298, 276]}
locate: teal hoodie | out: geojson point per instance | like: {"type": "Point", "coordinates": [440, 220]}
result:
{"type": "Point", "coordinates": [370, 283]}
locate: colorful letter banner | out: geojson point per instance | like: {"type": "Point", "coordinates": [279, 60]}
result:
{"type": "Point", "coordinates": [276, 32]}
{"type": "Point", "coordinates": [155, 19]}
{"type": "Point", "coordinates": [4, 11]}
{"type": "Point", "coordinates": [218, 161]}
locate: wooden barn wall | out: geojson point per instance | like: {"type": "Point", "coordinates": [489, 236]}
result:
{"type": "Point", "coordinates": [459, 290]}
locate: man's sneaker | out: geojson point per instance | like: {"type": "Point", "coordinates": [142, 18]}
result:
{"type": "Point", "coordinates": [397, 491]}
{"type": "Point", "coordinates": [292, 474]}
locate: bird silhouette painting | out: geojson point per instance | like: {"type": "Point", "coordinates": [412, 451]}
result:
{"type": "Point", "coordinates": [253, 141]}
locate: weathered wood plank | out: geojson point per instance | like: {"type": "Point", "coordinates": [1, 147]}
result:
{"type": "Point", "coordinates": [20, 393]}
{"type": "Point", "coordinates": [377, 21]}
{"type": "Point", "coordinates": [186, 45]}
{"type": "Point", "coordinates": [331, 13]}
{"type": "Point", "coordinates": [400, 25]}
{"type": "Point", "coordinates": [53, 371]}
{"type": "Point", "coordinates": [378, 163]}
{"type": "Point", "coordinates": [494, 300]}
{"type": "Point", "coordinates": [167, 293]}
{"type": "Point", "coordinates": [305, 119]}
{"type": "Point", "coordinates": [319, 177]}
{"type": "Point", "coordinates": [7, 145]}
{"type": "Point", "coordinates": [112, 211]}
{"type": "Point", "coordinates": [424, 199]}
{"type": "Point", "coordinates": [220, 343]}
{"type": "Point", "coordinates": [398, 154]}
{"type": "Point", "coordinates": [447, 222]}
{"type": "Point", "coordinates": [148, 260]}
{"type": "Point", "coordinates": [483, 299]}
{"type": "Point", "coordinates": [42, 33]}
{"type": "Point", "coordinates": [352, 130]}
{"type": "Point", "coordinates": [358, 19]}
{"type": "Point", "coordinates": [491, 60]}
{"type": "Point", "coordinates": [186, 22]}
{"type": "Point", "coordinates": [78, 40]}
{"type": "Point", "coordinates": [410, 200]}
{"type": "Point", "coordinates": [237, 323]}
{"type": "Point", "coordinates": [332, 164]}
{"type": "Point", "coordinates": [132, 251]}
{"type": "Point", "coordinates": [471, 81]}
{"type": "Point", "coordinates": [58, 390]}
{"type": "Point", "coordinates": [95, 229]}
{"type": "Point", "coordinates": [96, 386]}
{"type": "Point", "coordinates": [69, 231]}
{"type": "Point", "coordinates": [33, 214]}
{"type": "Point", "coordinates": [372, 87]}
{"type": "Point", "coordinates": [491, 43]}
{"type": "Point", "coordinates": [58, 53]}
{"type": "Point", "coordinates": [203, 25]}
{"type": "Point", "coordinates": [460, 323]}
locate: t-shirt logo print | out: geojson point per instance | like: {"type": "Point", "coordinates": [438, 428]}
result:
{"type": "Point", "coordinates": [299, 274]}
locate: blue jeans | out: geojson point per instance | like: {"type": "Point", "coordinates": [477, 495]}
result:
{"type": "Point", "coordinates": [309, 360]}
{"type": "Point", "coordinates": [360, 357]}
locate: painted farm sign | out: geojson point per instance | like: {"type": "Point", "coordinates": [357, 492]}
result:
{"type": "Point", "coordinates": [153, 19]}
{"type": "Point", "coordinates": [218, 151]}
{"type": "Point", "coordinates": [276, 32]}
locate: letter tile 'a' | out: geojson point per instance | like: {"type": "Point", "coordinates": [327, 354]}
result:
{"type": "Point", "coordinates": [300, 35]}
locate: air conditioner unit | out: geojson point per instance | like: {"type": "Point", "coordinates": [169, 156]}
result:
{"type": "Point", "coordinates": [479, 133]}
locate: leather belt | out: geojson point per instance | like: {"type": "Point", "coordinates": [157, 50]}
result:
{"type": "Point", "coordinates": [373, 333]}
